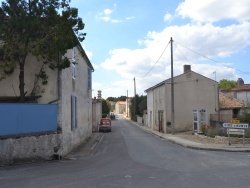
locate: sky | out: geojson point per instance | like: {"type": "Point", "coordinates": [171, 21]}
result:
{"type": "Point", "coordinates": [131, 39]}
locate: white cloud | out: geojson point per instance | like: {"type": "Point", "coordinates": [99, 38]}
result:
{"type": "Point", "coordinates": [200, 35]}
{"type": "Point", "coordinates": [106, 14]}
{"type": "Point", "coordinates": [130, 18]}
{"type": "Point", "coordinates": [96, 66]}
{"type": "Point", "coordinates": [167, 17]}
{"type": "Point", "coordinates": [214, 10]}
{"type": "Point", "coordinates": [208, 40]}
{"type": "Point", "coordinates": [107, 11]}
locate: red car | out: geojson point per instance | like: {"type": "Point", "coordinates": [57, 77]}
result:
{"type": "Point", "coordinates": [105, 125]}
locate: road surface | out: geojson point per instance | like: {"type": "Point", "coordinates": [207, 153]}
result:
{"type": "Point", "coordinates": [130, 157]}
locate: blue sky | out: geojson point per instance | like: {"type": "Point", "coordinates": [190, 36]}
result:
{"type": "Point", "coordinates": [126, 38]}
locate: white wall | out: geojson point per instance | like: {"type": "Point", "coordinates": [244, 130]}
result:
{"type": "Point", "coordinates": [79, 89]}
{"type": "Point", "coordinates": [96, 114]}
{"type": "Point", "coordinates": [244, 97]}
{"type": "Point", "coordinates": [159, 104]}
{"type": "Point", "coordinates": [191, 91]}
{"type": "Point", "coordinates": [150, 108]}
{"type": "Point", "coordinates": [10, 85]}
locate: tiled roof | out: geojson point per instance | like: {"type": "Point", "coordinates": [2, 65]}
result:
{"type": "Point", "coordinates": [245, 87]}
{"type": "Point", "coordinates": [227, 102]}
{"type": "Point", "coordinates": [121, 102]}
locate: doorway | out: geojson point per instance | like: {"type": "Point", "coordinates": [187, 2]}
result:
{"type": "Point", "coordinates": [160, 120]}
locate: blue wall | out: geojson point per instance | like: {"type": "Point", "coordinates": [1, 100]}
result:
{"type": "Point", "coordinates": [27, 118]}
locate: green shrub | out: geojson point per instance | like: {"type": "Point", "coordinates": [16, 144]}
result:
{"type": "Point", "coordinates": [213, 130]}
{"type": "Point", "coordinates": [245, 117]}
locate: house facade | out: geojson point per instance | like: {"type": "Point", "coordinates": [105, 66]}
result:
{"type": "Point", "coordinates": [70, 89]}
{"type": "Point", "coordinates": [120, 107]}
{"type": "Point", "coordinates": [96, 114]}
{"type": "Point", "coordinates": [192, 91]}
{"type": "Point", "coordinates": [230, 108]}
{"type": "Point", "coordinates": [242, 93]}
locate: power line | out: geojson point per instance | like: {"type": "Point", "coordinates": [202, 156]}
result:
{"type": "Point", "coordinates": [213, 59]}
{"type": "Point", "coordinates": [155, 62]}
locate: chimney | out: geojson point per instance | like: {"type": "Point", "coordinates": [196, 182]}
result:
{"type": "Point", "coordinates": [187, 68]}
{"type": "Point", "coordinates": [240, 82]}
{"type": "Point", "coordinates": [99, 94]}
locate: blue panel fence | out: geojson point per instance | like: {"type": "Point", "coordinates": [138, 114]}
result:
{"type": "Point", "coordinates": [27, 118]}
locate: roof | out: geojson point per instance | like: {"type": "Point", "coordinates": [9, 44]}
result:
{"type": "Point", "coordinates": [245, 87]}
{"type": "Point", "coordinates": [227, 102]}
{"type": "Point", "coordinates": [169, 79]}
{"type": "Point", "coordinates": [84, 55]}
{"type": "Point", "coordinates": [121, 102]}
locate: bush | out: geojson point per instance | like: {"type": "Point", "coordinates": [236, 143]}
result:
{"type": "Point", "coordinates": [213, 130]}
{"type": "Point", "coordinates": [245, 117]}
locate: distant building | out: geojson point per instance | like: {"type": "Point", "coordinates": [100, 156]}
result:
{"type": "Point", "coordinates": [120, 107]}
{"type": "Point", "coordinates": [191, 91]}
{"type": "Point", "coordinates": [242, 92]}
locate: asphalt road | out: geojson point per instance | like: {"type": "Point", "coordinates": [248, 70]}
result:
{"type": "Point", "coordinates": [131, 157]}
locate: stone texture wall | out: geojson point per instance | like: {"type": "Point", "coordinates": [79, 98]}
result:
{"type": "Point", "coordinates": [221, 139]}
{"type": "Point", "coordinates": [30, 148]}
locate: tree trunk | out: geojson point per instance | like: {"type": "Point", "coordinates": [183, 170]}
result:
{"type": "Point", "coordinates": [21, 80]}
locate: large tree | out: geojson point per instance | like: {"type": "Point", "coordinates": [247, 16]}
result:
{"type": "Point", "coordinates": [45, 29]}
{"type": "Point", "coordinates": [227, 84]}
{"type": "Point", "coordinates": [105, 108]}
{"type": "Point", "coordinates": [141, 105]}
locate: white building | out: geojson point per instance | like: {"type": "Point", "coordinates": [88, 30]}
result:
{"type": "Point", "coordinates": [69, 88]}
{"type": "Point", "coordinates": [191, 91]}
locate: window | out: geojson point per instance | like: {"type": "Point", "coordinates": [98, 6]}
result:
{"type": "Point", "coordinates": [73, 113]}
{"type": "Point", "coordinates": [89, 78]}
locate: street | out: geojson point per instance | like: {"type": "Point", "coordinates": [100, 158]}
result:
{"type": "Point", "coordinates": [131, 157]}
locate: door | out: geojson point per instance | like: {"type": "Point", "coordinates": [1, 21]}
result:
{"type": "Point", "coordinates": [160, 119]}
{"type": "Point", "coordinates": [195, 120]}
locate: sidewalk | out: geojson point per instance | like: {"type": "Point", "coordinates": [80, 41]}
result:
{"type": "Point", "coordinates": [189, 143]}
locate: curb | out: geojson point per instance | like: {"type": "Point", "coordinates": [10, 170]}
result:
{"type": "Point", "coordinates": [198, 147]}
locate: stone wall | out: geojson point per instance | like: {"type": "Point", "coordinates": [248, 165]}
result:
{"type": "Point", "coordinates": [30, 148]}
{"type": "Point", "coordinates": [221, 139]}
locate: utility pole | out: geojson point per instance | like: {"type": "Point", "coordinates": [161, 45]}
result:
{"type": "Point", "coordinates": [172, 89]}
{"type": "Point", "coordinates": [214, 75]}
{"type": "Point", "coordinates": [127, 105]}
{"type": "Point", "coordinates": [134, 100]}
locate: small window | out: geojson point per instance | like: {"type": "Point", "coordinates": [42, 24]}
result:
{"type": "Point", "coordinates": [73, 113]}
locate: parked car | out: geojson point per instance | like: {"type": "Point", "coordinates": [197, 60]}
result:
{"type": "Point", "coordinates": [105, 125]}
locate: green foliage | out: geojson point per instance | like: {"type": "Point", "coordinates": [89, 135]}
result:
{"type": "Point", "coordinates": [45, 29]}
{"type": "Point", "coordinates": [245, 117]}
{"type": "Point", "coordinates": [112, 99]}
{"type": "Point", "coordinates": [213, 130]}
{"type": "Point", "coordinates": [141, 105]}
{"type": "Point", "coordinates": [227, 84]}
{"type": "Point", "coordinates": [122, 98]}
{"type": "Point", "coordinates": [44, 77]}
{"type": "Point", "coordinates": [115, 99]}
{"type": "Point", "coordinates": [105, 107]}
